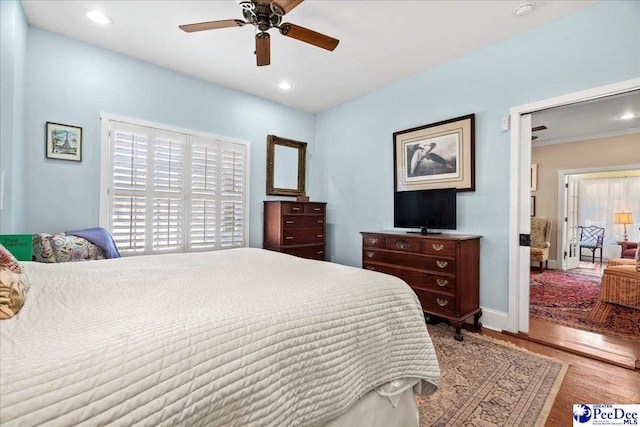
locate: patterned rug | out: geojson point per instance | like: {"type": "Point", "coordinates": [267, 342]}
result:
{"type": "Point", "coordinates": [573, 299]}
{"type": "Point", "coordinates": [486, 382]}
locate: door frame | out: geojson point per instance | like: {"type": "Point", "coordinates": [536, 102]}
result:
{"type": "Point", "coordinates": [519, 220]}
{"type": "Point", "coordinates": [562, 174]}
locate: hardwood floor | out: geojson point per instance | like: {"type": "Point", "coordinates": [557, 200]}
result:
{"type": "Point", "coordinates": [618, 351]}
{"type": "Point", "coordinates": [587, 380]}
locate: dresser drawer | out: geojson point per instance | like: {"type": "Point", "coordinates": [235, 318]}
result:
{"type": "Point", "coordinates": [440, 264]}
{"type": "Point", "coordinates": [311, 252]}
{"type": "Point", "coordinates": [405, 244]}
{"type": "Point", "coordinates": [301, 236]}
{"type": "Point", "coordinates": [314, 208]}
{"type": "Point", "coordinates": [292, 208]}
{"type": "Point", "coordinates": [302, 221]}
{"type": "Point", "coordinates": [373, 240]}
{"type": "Point", "coordinates": [416, 279]}
{"type": "Point", "coordinates": [439, 247]}
{"type": "Point", "coordinates": [423, 262]}
{"type": "Point", "coordinates": [435, 302]}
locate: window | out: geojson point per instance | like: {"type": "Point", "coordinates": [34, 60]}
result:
{"type": "Point", "coordinates": [172, 190]}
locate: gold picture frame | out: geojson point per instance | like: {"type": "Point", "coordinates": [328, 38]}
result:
{"type": "Point", "coordinates": [286, 166]}
{"type": "Point", "coordinates": [437, 155]}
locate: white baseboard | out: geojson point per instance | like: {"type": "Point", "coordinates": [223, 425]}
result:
{"type": "Point", "coordinates": [492, 319]}
{"type": "Point", "coordinates": [553, 265]}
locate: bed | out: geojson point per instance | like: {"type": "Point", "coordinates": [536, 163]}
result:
{"type": "Point", "coordinates": [242, 337]}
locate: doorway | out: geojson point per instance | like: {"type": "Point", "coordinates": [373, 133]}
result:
{"type": "Point", "coordinates": [521, 119]}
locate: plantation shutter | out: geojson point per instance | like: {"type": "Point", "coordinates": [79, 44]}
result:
{"type": "Point", "coordinates": [175, 192]}
{"type": "Point", "coordinates": [232, 199]}
{"type": "Point", "coordinates": [204, 192]}
{"type": "Point", "coordinates": [168, 191]}
{"type": "Point", "coordinates": [130, 145]}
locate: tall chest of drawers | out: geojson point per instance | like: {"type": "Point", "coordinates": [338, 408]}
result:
{"type": "Point", "coordinates": [442, 269]}
{"type": "Point", "coordinates": [296, 228]}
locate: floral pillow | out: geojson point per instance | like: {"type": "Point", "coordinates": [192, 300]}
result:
{"type": "Point", "coordinates": [13, 284]}
{"type": "Point", "coordinates": [41, 248]}
{"type": "Point", "coordinates": [67, 248]}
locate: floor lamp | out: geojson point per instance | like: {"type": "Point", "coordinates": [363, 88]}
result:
{"type": "Point", "coordinates": [623, 218]}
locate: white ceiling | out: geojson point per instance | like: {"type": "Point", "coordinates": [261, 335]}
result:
{"type": "Point", "coordinates": [588, 120]}
{"type": "Point", "coordinates": [381, 42]}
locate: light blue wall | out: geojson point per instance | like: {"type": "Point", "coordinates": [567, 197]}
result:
{"type": "Point", "coordinates": [72, 83]}
{"type": "Point", "coordinates": [597, 46]}
{"type": "Point", "coordinates": [13, 48]}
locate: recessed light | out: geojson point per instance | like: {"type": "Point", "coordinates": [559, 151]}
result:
{"type": "Point", "coordinates": [285, 85]}
{"type": "Point", "coordinates": [628, 116]}
{"type": "Point", "coordinates": [99, 17]}
{"type": "Point", "coordinates": [523, 9]}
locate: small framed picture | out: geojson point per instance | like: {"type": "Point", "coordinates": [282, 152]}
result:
{"type": "Point", "coordinates": [534, 177]}
{"type": "Point", "coordinates": [64, 142]}
{"type": "Point", "coordinates": [533, 205]}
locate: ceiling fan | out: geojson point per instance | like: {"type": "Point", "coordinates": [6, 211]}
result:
{"type": "Point", "coordinates": [264, 15]}
{"type": "Point", "coordinates": [536, 129]}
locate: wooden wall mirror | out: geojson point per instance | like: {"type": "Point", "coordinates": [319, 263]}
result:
{"type": "Point", "coordinates": [286, 168]}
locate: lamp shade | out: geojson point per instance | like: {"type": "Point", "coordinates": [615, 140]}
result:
{"type": "Point", "coordinates": [623, 218]}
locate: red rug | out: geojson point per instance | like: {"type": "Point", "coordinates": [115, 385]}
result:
{"type": "Point", "coordinates": [573, 299]}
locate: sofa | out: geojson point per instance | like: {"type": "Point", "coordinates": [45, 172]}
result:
{"type": "Point", "coordinates": [621, 282]}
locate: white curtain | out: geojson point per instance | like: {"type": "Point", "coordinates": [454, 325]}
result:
{"type": "Point", "coordinates": [600, 198]}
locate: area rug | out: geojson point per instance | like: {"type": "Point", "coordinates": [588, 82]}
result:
{"type": "Point", "coordinates": [573, 299]}
{"type": "Point", "coordinates": [486, 382]}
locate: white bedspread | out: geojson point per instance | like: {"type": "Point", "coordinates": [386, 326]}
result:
{"type": "Point", "coordinates": [231, 338]}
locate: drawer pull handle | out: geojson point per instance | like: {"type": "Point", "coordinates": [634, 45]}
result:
{"type": "Point", "coordinates": [437, 246]}
{"type": "Point", "coordinates": [370, 267]}
{"type": "Point", "coordinates": [370, 254]}
{"type": "Point", "coordinates": [288, 238]}
{"type": "Point", "coordinates": [288, 222]}
{"type": "Point", "coordinates": [316, 209]}
{"type": "Point", "coordinates": [295, 209]}
{"type": "Point", "coordinates": [402, 244]}
{"type": "Point", "coordinates": [373, 241]}
{"type": "Point", "coordinates": [441, 264]}
{"type": "Point", "coordinates": [319, 221]}
{"type": "Point", "coordinates": [442, 282]}
{"type": "Point", "coordinates": [319, 235]}
{"type": "Point", "coordinates": [442, 302]}
{"type": "Point", "coordinates": [320, 252]}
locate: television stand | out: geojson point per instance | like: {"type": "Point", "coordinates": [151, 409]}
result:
{"type": "Point", "coordinates": [443, 271]}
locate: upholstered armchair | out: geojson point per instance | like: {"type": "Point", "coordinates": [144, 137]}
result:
{"type": "Point", "coordinates": [621, 282]}
{"type": "Point", "coordinates": [540, 240]}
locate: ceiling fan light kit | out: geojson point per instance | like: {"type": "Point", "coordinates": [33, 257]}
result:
{"type": "Point", "coordinates": [523, 9]}
{"type": "Point", "coordinates": [264, 15]}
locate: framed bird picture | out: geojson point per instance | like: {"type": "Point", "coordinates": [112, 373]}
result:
{"type": "Point", "coordinates": [437, 155]}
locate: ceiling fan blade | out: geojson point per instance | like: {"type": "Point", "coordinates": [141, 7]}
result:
{"type": "Point", "coordinates": [537, 128]}
{"type": "Point", "coordinates": [308, 36]}
{"type": "Point", "coordinates": [534, 137]}
{"type": "Point", "coordinates": [211, 25]}
{"type": "Point", "coordinates": [282, 7]}
{"type": "Point", "coordinates": [263, 49]}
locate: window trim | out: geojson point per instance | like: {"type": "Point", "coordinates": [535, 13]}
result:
{"type": "Point", "coordinates": [105, 163]}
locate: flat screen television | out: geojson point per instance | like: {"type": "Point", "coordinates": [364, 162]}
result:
{"type": "Point", "coordinates": [425, 209]}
